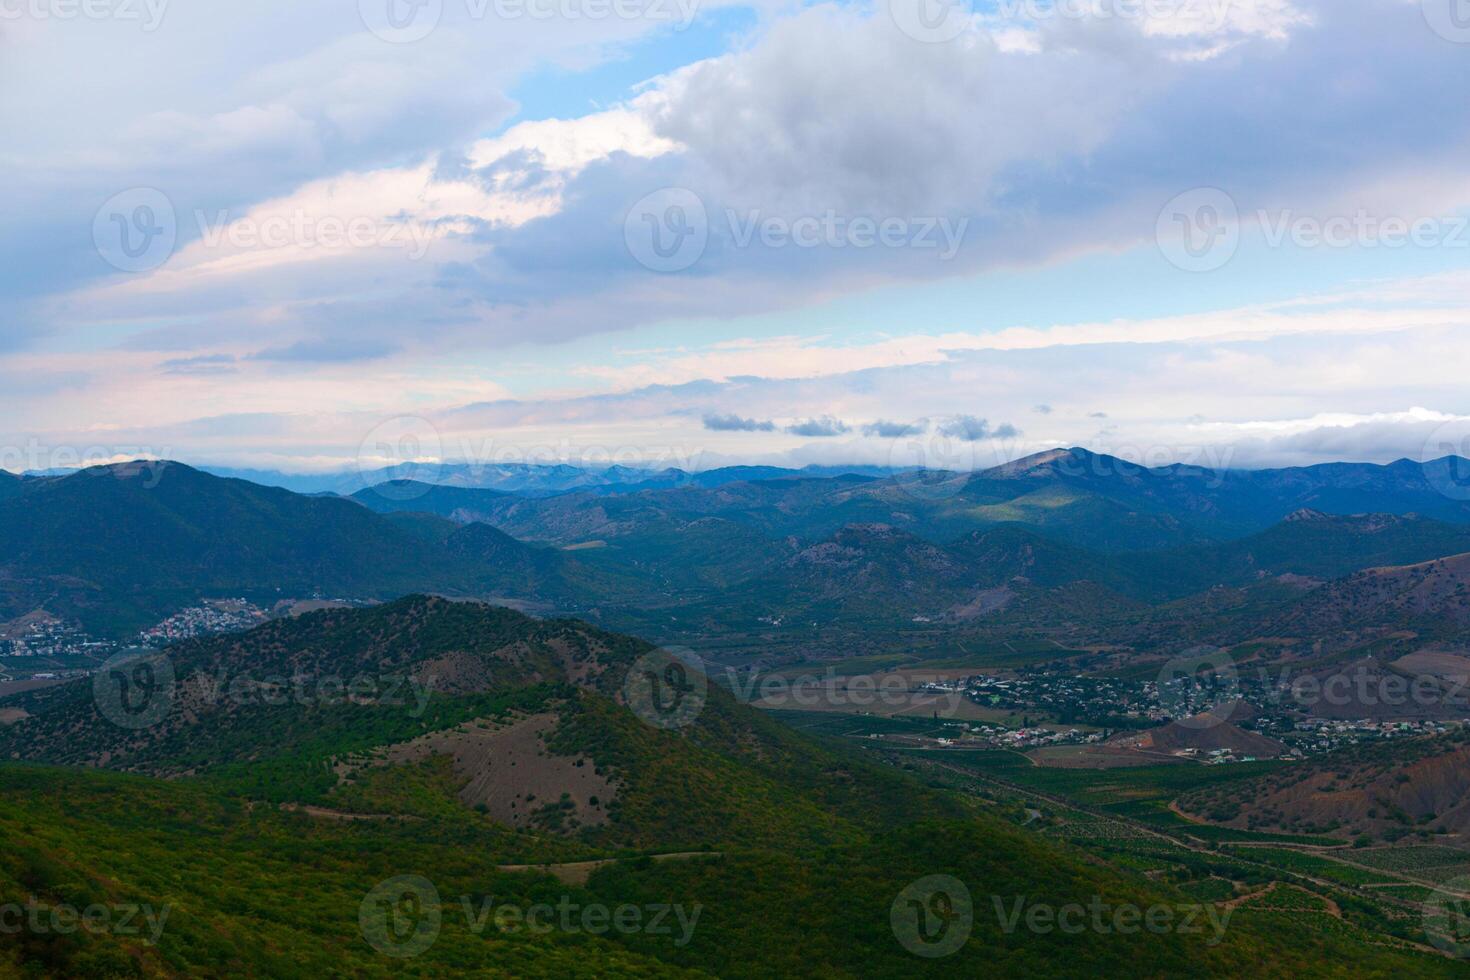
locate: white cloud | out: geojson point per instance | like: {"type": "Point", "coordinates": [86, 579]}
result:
{"type": "Point", "coordinates": [566, 146]}
{"type": "Point", "coordinates": [1051, 137]}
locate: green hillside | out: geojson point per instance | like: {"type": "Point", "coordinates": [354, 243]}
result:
{"type": "Point", "coordinates": [266, 845]}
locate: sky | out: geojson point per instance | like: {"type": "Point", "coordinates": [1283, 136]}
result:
{"type": "Point", "coordinates": [308, 237]}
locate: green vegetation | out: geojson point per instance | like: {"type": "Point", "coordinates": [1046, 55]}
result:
{"type": "Point", "coordinates": [264, 858]}
{"type": "Point", "coordinates": [1138, 792]}
{"type": "Point", "coordinates": [1071, 556]}
{"type": "Point", "coordinates": [1125, 824]}
{"type": "Point", "coordinates": [251, 890]}
{"type": "Point", "coordinates": [1303, 863]}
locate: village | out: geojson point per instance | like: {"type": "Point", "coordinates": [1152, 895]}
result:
{"type": "Point", "coordinates": [1054, 710]}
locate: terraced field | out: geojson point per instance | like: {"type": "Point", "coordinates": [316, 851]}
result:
{"type": "Point", "coordinates": [1322, 884]}
{"type": "Point", "coordinates": [1430, 863]}
{"type": "Point", "coordinates": [1316, 866]}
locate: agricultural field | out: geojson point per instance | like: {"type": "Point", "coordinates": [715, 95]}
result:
{"type": "Point", "coordinates": [1210, 889]}
{"type": "Point", "coordinates": [1108, 789]}
{"type": "Point", "coordinates": [1287, 898]}
{"type": "Point", "coordinates": [889, 693]}
{"type": "Point", "coordinates": [1011, 654]}
{"type": "Point", "coordinates": [1314, 866]}
{"type": "Point", "coordinates": [1417, 894]}
{"type": "Point", "coordinates": [1423, 863]}
{"type": "Point", "coordinates": [1123, 818]}
{"type": "Point", "coordinates": [1080, 826]}
{"type": "Point", "coordinates": [1441, 874]}
{"type": "Point", "coordinates": [1137, 793]}
{"type": "Point", "coordinates": [1094, 757]}
{"type": "Point", "coordinates": [859, 726]}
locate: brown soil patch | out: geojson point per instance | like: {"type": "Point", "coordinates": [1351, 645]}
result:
{"type": "Point", "coordinates": [577, 872]}
{"type": "Point", "coordinates": [8, 688]}
{"type": "Point", "coordinates": [1437, 663]}
{"type": "Point", "coordinates": [324, 813]}
{"type": "Point", "coordinates": [1097, 757]}
{"type": "Point", "coordinates": [887, 694]}
{"type": "Point", "coordinates": [1174, 809]}
{"type": "Point", "coordinates": [298, 607]}
{"type": "Point", "coordinates": [507, 768]}
{"type": "Point", "coordinates": [984, 603]}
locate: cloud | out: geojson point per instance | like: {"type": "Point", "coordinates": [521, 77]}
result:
{"type": "Point", "coordinates": [1416, 433]}
{"type": "Point", "coordinates": [734, 423]}
{"type": "Point", "coordinates": [324, 352]}
{"type": "Point", "coordinates": [297, 97]}
{"type": "Point", "coordinates": [963, 113]}
{"type": "Point", "coordinates": [1248, 401]}
{"type": "Point", "coordinates": [966, 427]}
{"type": "Point", "coordinates": [1055, 142]}
{"type": "Point", "coordinates": [527, 226]}
{"type": "Point", "coordinates": [202, 364]}
{"type": "Point", "coordinates": [1042, 409]}
{"type": "Point", "coordinates": [882, 429]}
{"type": "Point", "coordinates": [819, 428]}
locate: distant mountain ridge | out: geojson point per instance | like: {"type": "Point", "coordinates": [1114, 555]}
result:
{"type": "Point", "coordinates": [533, 479]}
{"type": "Point", "coordinates": [1062, 540]}
{"type": "Point", "coordinates": [119, 547]}
{"type": "Point", "coordinates": [1094, 501]}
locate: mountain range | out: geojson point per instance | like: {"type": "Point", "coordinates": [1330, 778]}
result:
{"type": "Point", "coordinates": [267, 784]}
{"type": "Point", "coordinates": [1054, 541]}
{"type": "Point", "coordinates": [530, 479]}
{"type": "Point", "coordinates": [1095, 501]}
{"type": "Point", "coordinates": [120, 547]}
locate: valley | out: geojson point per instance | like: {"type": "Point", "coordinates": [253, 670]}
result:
{"type": "Point", "coordinates": [746, 697]}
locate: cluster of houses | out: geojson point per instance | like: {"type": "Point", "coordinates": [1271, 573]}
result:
{"type": "Point", "coordinates": [205, 620]}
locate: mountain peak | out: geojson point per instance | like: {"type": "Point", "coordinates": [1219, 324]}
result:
{"type": "Point", "coordinates": [1038, 462]}
{"type": "Point", "coordinates": [134, 469]}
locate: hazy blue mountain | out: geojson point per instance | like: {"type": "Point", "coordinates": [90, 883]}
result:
{"type": "Point", "coordinates": [1055, 536]}
{"type": "Point", "coordinates": [533, 479]}
{"type": "Point", "coordinates": [118, 547]}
